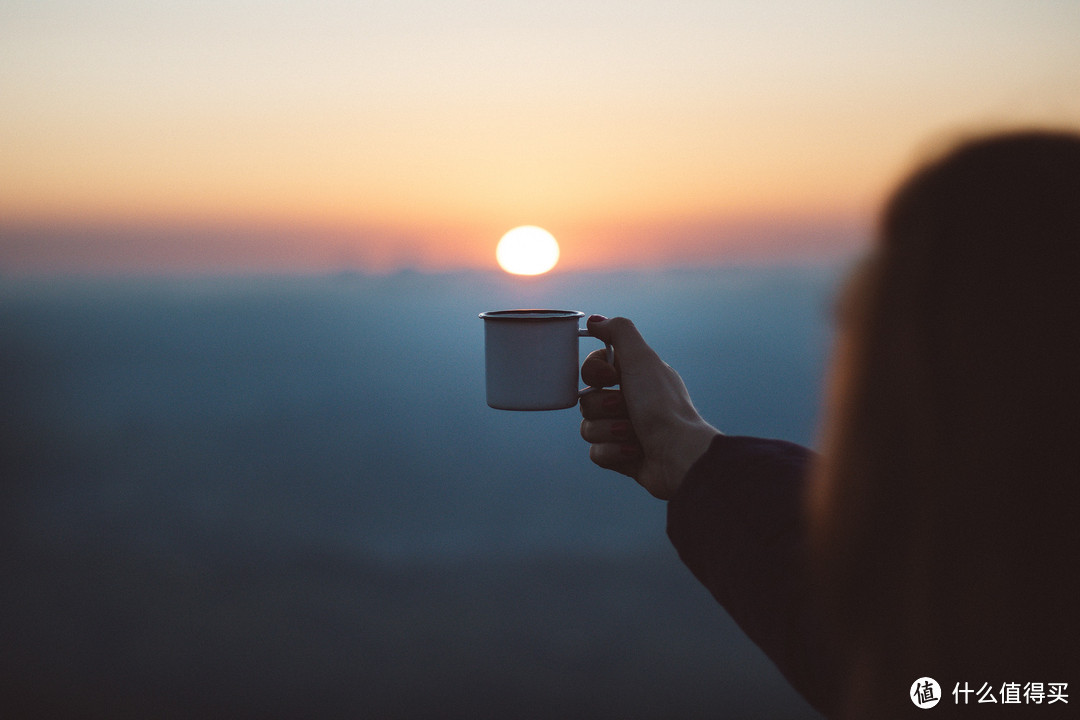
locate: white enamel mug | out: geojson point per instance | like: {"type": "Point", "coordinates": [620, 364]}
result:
{"type": "Point", "coordinates": [531, 358]}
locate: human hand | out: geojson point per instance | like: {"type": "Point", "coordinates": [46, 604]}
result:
{"type": "Point", "coordinates": [648, 429]}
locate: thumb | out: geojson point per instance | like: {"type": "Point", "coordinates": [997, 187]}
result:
{"type": "Point", "coordinates": [623, 335]}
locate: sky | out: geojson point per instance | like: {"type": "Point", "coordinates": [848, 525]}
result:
{"type": "Point", "coordinates": [317, 135]}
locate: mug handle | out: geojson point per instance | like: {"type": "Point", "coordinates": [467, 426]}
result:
{"type": "Point", "coordinates": [584, 332]}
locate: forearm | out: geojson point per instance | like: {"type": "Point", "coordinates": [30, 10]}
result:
{"type": "Point", "coordinates": [738, 524]}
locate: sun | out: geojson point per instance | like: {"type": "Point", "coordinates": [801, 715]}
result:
{"type": "Point", "coordinates": [527, 250]}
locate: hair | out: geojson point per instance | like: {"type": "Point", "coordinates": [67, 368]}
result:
{"type": "Point", "coordinates": [944, 518]}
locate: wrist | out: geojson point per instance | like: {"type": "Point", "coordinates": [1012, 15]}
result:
{"type": "Point", "coordinates": [692, 444]}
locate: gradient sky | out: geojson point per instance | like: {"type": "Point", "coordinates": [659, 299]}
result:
{"type": "Point", "coordinates": [375, 135]}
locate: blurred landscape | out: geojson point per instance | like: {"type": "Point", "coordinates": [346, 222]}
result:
{"type": "Point", "coordinates": [281, 497]}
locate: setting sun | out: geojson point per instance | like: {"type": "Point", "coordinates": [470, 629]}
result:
{"type": "Point", "coordinates": [527, 250]}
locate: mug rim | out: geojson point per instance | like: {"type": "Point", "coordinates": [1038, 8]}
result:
{"type": "Point", "coordinates": [531, 315]}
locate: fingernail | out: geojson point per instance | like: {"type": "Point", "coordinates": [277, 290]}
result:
{"type": "Point", "coordinates": [597, 318]}
{"type": "Point", "coordinates": [610, 402]}
{"type": "Point", "coordinates": [629, 449]}
{"type": "Point", "coordinates": [620, 428]}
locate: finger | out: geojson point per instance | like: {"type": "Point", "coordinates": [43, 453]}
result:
{"type": "Point", "coordinates": [622, 458]}
{"type": "Point", "coordinates": [596, 371]}
{"type": "Point", "coordinates": [623, 335]}
{"type": "Point", "coordinates": [618, 431]}
{"type": "Point", "coordinates": [603, 404]}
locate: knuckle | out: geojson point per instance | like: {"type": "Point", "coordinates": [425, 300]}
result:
{"type": "Point", "coordinates": [588, 407]}
{"type": "Point", "coordinates": [589, 431]}
{"type": "Point", "coordinates": [602, 455]}
{"type": "Point", "coordinates": [596, 454]}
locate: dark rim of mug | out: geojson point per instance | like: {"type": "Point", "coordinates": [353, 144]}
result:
{"type": "Point", "coordinates": [532, 315]}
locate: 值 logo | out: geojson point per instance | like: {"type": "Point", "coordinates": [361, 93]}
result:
{"type": "Point", "coordinates": [925, 693]}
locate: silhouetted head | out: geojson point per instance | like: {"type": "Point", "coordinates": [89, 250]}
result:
{"type": "Point", "coordinates": [946, 518]}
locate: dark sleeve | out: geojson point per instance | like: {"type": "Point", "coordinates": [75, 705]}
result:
{"type": "Point", "coordinates": [738, 524]}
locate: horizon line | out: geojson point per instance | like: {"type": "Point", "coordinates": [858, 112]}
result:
{"type": "Point", "coordinates": [204, 247]}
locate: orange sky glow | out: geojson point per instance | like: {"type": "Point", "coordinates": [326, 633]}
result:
{"type": "Point", "coordinates": [239, 136]}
